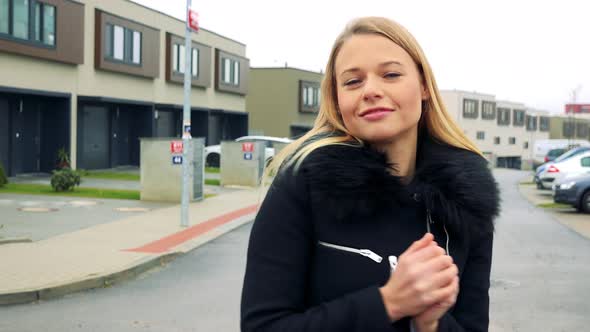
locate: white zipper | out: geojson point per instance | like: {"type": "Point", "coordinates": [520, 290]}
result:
{"type": "Point", "coordinates": [364, 252]}
{"type": "Point", "coordinates": [430, 221]}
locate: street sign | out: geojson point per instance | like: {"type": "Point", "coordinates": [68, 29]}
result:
{"type": "Point", "coordinates": [248, 156]}
{"type": "Point", "coordinates": [176, 147]}
{"type": "Point", "coordinates": [177, 160]}
{"type": "Point", "coordinates": [193, 20]}
{"type": "Point", "coordinates": [247, 147]}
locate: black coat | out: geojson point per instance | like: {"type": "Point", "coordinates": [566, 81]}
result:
{"type": "Point", "coordinates": [296, 280]}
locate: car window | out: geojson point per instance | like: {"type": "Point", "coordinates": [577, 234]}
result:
{"type": "Point", "coordinates": [555, 152]}
{"type": "Point", "coordinates": [570, 153]}
{"type": "Point", "coordinates": [585, 162]}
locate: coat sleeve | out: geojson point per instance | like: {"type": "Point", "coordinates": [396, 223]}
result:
{"type": "Point", "coordinates": [471, 311]}
{"type": "Point", "coordinates": [275, 290]}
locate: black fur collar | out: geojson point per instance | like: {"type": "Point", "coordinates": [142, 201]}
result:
{"type": "Point", "coordinates": [355, 181]}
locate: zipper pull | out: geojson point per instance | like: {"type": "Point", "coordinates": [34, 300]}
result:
{"type": "Point", "coordinates": [371, 255]}
{"type": "Point", "coordinates": [392, 263]}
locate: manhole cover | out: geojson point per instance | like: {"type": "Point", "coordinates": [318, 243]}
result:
{"type": "Point", "coordinates": [132, 209]}
{"type": "Point", "coordinates": [83, 203]}
{"type": "Point", "coordinates": [502, 283]}
{"type": "Point", "coordinates": [37, 209]}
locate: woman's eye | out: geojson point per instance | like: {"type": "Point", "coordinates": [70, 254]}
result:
{"type": "Point", "coordinates": [352, 82]}
{"type": "Point", "coordinates": [392, 75]}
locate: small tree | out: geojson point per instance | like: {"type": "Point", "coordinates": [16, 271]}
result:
{"type": "Point", "coordinates": [3, 179]}
{"type": "Point", "coordinates": [65, 179]}
{"type": "Point", "coordinates": [63, 158]}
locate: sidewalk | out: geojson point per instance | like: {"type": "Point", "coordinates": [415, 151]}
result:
{"type": "Point", "coordinates": [105, 254]}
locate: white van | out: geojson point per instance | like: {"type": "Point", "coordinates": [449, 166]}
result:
{"type": "Point", "coordinates": [543, 146]}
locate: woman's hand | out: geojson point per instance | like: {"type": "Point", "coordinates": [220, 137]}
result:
{"type": "Point", "coordinates": [428, 320]}
{"type": "Point", "coordinates": [424, 277]}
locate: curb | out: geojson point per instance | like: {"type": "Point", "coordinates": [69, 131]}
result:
{"type": "Point", "coordinates": [115, 277]}
{"type": "Point", "coordinates": [11, 240]}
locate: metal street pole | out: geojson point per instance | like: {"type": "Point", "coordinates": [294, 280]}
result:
{"type": "Point", "coordinates": [186, 122]}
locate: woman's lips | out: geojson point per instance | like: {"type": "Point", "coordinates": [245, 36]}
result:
{"type": "Point", "coordinates": [375, 115]}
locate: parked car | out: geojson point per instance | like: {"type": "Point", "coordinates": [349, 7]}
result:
{"type": "Point", "coordinates": [573, 166]}
{"type": "Point", "coordinates": [213, 152]}
{"type": "Point", "coordinates": [542, 146]}
{"type": "Point", "coordinates": [574, 191]}
{"type": "Point", "coordinates": [554, 153]}
{"type": "Point", "coordinates": [571, 153]}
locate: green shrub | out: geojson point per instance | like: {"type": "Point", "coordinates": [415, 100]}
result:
{"type": "Point", "coordinates": [3, 179]}
{"type": "Point", "coordinates": [65, 179]}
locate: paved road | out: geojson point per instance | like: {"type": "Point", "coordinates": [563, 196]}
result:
{"type": "Point", "coordinates": [539, 283]}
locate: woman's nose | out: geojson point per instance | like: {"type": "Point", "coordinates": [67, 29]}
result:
{"type": "Point", "coordinates": [372, 89]}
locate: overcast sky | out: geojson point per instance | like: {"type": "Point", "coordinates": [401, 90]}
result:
{"type": "Point", "coordinates": [534, 52]}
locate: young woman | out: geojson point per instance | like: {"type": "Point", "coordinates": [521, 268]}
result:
{"type": "Point", "coordinates": [381, 217]}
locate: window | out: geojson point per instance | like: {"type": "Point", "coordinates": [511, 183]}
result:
{"type": "Point", "coordinates": [311, 96]}
{"type": "Point", "coordinates": [481, 135]}
{"type": "Point", "coordinates": [230, 71]}
{"type": "Point", "coordinates": [582, 130]}
{"type": "Point", "coordinates": [470, 108]}
{"type": "Point", "coordinates": [4, 17]}
{"type": "Point", "coordinates": [518, 118]}
{"type": "Point", "coordinates": [16, 21]}
{"type": "Point", "coordinates": [531, 123]}
{"type": "Point", "coordinates": [503, 116]}
{"type": "Point", "coordinates": [488, 110]}
{"type": "Point", "coordinates": [122, 44]}
{"type": "Point", "coordinates": [543, 123]}
{"type": "Point", "coordinates": [20, 19]}
{"type": "Point", "coordinates": [497, 140]}
{"type": "Point", "coordinates": [525, 145]}
{"type": "Point", "coordinates": [512, 140]}
{"type": "Point", "coordinates": [178, 60]}
{"type": "Point", "coordinates": [585, 162]}
{"type": "Point", "coordinates": [195, 62]}
{"type": "Point", "coordinates": [568, 129]}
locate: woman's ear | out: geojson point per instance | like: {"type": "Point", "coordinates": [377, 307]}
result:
{"type": "Point", "coordinates": [424, 91]}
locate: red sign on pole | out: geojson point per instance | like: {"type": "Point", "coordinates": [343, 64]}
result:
{"type": "Point", "coordinates": [193, 20]}
{"type": "Point", "coordinates": [176, 147]}
{"type": "Point", "coordinates": [247, 147]}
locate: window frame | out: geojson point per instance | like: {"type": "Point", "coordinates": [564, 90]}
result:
{"type": "Point", "coordinates": [128, 45]}
{"type": "Point", "coordinates": [31, 25]}
{"type": "Point", "coordinates": [512, 140]}
{"type": "Point", "coordinates": [521, 123]}
{"type": "Point", "coordinates": [485, 103]}
{"type": "Point", "coordinates": [233, 76]}
{"type": "Point", "coordinates": [528, 120]}
{"type": "Point", "coordinates": [480, 135]}
{"type": "Point", "coordinates": [475, 113]}
{"type": "Point", "coordinates": [497, 140]}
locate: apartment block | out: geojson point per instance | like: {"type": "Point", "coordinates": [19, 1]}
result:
{"type": "Point", "coordinates": [94, 76]}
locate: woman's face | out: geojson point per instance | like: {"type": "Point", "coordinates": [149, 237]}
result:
{"type": "Point", "coordinates": [379, 89]}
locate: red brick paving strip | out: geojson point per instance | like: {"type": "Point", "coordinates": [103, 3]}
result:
{"type": "Point", "coordinates": [171, 241]}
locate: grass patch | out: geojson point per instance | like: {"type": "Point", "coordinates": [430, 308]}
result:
{"type": "Point", "coordinates": [110, 176]}
{"type": "Point", "coordinates": [212, 170]}
{"type": "Point", "coordinates": [212, 182]}
{"type": "Point", "coordinates": [40, 189]}
{"type": "Point", "coordinates": [554, 206]}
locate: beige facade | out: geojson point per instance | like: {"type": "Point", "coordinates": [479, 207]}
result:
{"type": "Point", "coordinates": [23, 75]}
{"type": "Point", "coordinates": [504, 131]}
{"type": "Point", "coordinates": [282, 102]}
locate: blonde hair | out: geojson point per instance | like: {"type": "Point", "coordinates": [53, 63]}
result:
{"type": "Point", "coordinates": [329, 129]}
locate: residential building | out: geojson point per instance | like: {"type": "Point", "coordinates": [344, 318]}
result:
{"type": "Point", "coordinates": [503, 130]}
{"type": "Point", "coordinates": [95, 76]}
{"type": "Point", "coordinates": [282, 102]}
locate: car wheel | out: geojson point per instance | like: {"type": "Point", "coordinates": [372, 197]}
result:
{"type": "Point", "coordinates": [585, 203]}
{"type": "Point", "coordinates": [212, 160]}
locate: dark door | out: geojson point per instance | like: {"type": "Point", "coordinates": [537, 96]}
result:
{"type": "Point", "coordinates": [165, 124]}
{"type": "Point", "coordinates": [214, 132]}
{"type": "Point", "coordinates": [5, 135]}
{"type": "Point", "coordinates": [17, 135]}
{"type": "Point", "coordinates": [120, 123]}
{"type": "Point", "coordinates": [95, 139]}
{"type": "Point", "coordinates": [31, 136]}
